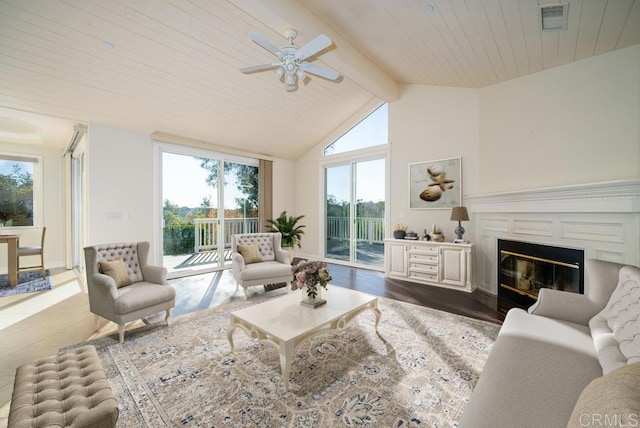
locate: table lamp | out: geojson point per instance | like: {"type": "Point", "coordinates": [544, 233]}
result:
{"type": "Point", "coordinates": [459, 214]}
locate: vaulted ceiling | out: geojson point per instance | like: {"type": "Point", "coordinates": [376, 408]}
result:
{"type": "Point", "coordinates": [171, 66]}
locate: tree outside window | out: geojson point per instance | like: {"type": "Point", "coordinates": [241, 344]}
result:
{"type": "Point", "coordinates": [16, 191]}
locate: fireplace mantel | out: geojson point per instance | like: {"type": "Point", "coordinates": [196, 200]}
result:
{"type": "Point", "coordinates": [603, 219]}
{"type": "Point", "coordinates": [621, 196]}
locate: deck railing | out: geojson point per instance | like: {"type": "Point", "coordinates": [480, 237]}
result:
{"type": "Point", "coordinates": [367, 229]}
{"type": "Point", "coordinates": [206, 231]}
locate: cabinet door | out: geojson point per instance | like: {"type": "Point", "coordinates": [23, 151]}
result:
{"type": "Point", "coordinates": [397, 259]}
{"type": "Point", "coordinates": [453, 266]}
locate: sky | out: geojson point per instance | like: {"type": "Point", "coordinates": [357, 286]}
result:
{"type": "Point", "coordinates": [184, 183]}
{"type": "Point", "coordinates": [6, 166]}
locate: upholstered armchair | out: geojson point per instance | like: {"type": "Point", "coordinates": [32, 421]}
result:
{"type": "Point", "coordinates": [258, 259]}
{"type": "Point", "coordinates": [123, 287]}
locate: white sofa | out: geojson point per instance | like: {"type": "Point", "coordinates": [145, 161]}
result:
{"type": "Point", "coordinates": [543, 359]}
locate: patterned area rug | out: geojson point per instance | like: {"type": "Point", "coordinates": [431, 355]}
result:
{"type": "Point", "coordinates": [28, 282]}
{"type": "Point", "coordinates": [419, 370]}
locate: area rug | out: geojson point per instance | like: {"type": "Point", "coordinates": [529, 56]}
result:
{"type": "Point", "coordinates": [418, 370]}
{"type": "Point", "coordinates": [28, 282]}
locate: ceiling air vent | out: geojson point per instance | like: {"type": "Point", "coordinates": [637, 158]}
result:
{"type": "Point", "coordinates": [553, 17]}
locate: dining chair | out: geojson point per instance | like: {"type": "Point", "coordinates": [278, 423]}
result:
{"type": "Point", "coordinates": [32, 251]}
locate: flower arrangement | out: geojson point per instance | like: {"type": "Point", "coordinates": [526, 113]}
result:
{"type": "Point", "coordinates": [312, 274]}
{"type": "Point", "coordinates": [400, 227]}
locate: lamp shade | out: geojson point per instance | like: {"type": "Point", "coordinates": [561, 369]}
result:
{"type": "Point", "coordinates": [459, 214]}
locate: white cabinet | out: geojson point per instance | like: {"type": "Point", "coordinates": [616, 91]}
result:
{"type": "Point", "coordinates": [435, 263]}
{"type": "Point", "coordinates": [396, 258]}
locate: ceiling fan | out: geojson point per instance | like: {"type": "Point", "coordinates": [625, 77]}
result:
{"type": "Point", "coordinates": [291, 64]}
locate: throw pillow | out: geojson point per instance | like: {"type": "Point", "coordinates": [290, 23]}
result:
{"type": "Point", "coordinates": [117, 270]}
{"type": "Point", "coordinates": [614, 398]}
{"type": "Point", "coordinates": [616, 329]}
{"type": "Point", "coordinates": [250, 253]}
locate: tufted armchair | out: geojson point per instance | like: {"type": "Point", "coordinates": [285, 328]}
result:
{"type": "Point", "coordinates": [141, 290]}
{"type": "Point", "coordinates": [271, 265]}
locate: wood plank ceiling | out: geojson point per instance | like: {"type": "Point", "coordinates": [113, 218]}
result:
{"type": "Point", "coordinates": [173, 65]}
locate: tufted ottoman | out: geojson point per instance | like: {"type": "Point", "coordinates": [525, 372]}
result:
{"type": "Point", "coordinates": [69, 389]}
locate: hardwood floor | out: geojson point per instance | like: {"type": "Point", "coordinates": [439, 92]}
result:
{"type": "Point", "coordinates": [476, 305]}
{"type": "Point", "coordinates": [203, 291]}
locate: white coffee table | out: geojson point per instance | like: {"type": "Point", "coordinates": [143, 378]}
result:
{"type": "Point", "coordinates": [284, 322]}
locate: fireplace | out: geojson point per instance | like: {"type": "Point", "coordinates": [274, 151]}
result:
{"type": "Point", "coordinates": [524, 268]}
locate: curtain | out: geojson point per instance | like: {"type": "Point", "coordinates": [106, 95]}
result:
{"type": "Point", "coordinates": [265, 193]}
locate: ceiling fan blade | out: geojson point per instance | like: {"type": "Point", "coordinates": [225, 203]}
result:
{"type": "Point", "coordinates": [265, 43]}
{"type": "Point", "coordinates": [327, 73]}
{"type": "Point", "coordinates": [259, 67]}
{"type": "Point", "coordinates": [313, 47]}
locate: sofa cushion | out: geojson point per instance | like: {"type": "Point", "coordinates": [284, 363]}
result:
{"type": "Point", "coordinates": [536, 371]}
{"type": "Point", "coordinates": [264, 242]}
{"type": "Point", "coordinates": [265, 270]}
{"type": "Point", "coordinates": [616, 329]}
{"type": "Point", "coordinates": [126, 251]}
{"type": "Point", "coordinates": [250, 253]}
{"type": "Point", "coordinates": [142, 295]}
{"type": "Point", "coordinates": [614, 397]}
{"type": "Point", "coordinates": [117, 270]}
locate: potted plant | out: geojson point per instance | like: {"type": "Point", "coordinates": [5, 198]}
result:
{"type": "Point", "coordinates": [400, 230]}
{"type": "Point", "coordinates": [436, 234]}
{"type": "Point", "coordinates": [289, 228]}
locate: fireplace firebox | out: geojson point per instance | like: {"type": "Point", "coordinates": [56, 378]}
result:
{"type": "Point", "coordinates": [526, 267]}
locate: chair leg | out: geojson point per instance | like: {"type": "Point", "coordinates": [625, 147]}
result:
{"type": "Point", "coordinates": [42, 264]}
{"type": "Point", "coordinates": [167, 315]}
{"type": "Point", "coordinates": [246, 292]}
{"type": "Point", "coordinates": [96, 322]}
{"type": "Point", "coordinates": [121, 332]}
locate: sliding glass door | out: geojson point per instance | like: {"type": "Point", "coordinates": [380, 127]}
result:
{"type": "Point", "coordinates": [354, 212]}
{"type": "Point", "coordinates": [206, 199]}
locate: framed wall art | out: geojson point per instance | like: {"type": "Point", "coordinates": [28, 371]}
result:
{"type": "Point", "coordinates": [435, 184]}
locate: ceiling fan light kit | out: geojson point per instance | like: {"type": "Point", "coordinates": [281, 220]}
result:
{"type": "Point", "coordinates": [291, 63]}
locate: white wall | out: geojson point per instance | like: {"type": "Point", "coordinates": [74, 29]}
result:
{"type": "Point", "coordinates": [577, 123]}
{"type": "Point", "coordinates": [120, 188]}
{"type": "Point", "coordinates": [52, 209]}
{"type": "Point", "coordinates": [431, 123]}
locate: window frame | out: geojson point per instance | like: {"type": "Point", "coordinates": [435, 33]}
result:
{"type": "Point", "coordinates": [38, 187]}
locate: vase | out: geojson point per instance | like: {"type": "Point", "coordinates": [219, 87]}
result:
{"type": "Point", "coordinates": [312, 302]}
{"type": "Point", "coordinates": [437, 237]}
{"type": "Point", "coordinates": [399, 234]}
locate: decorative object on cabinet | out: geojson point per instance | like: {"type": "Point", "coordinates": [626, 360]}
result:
{"type": "Point", "coordinates": [435, 184]}
{"type": "Point", "coordinates": [400, 230]}
{"type": "Point", "coordinates": [436, 234]}
{"type": "Point", "coordinates": [432, 263]}
{"type": "Point", "coordinates": [459, 214]}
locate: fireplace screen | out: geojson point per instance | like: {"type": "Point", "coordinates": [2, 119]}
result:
{"type": "Point", "coordinates": [525, 268]}
{"type": "Point", "coordinates": [527, 274]}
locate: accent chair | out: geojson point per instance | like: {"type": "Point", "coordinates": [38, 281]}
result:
{"type": "Point", "coordinates": [123, 287]}
{"type": "Point", "coordinates": [258, 259]}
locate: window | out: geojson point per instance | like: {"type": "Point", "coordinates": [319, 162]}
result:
{"type": "Point", "coordinates": [371, 131]}
{"type": "Point", "coordinates": [18, 184]}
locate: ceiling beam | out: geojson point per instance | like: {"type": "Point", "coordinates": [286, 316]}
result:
{"type": "Point", "coordinates": [345, 58]}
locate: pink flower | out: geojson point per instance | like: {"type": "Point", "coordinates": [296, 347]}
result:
{"type": "Point", "coordinates": [301, 277]}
